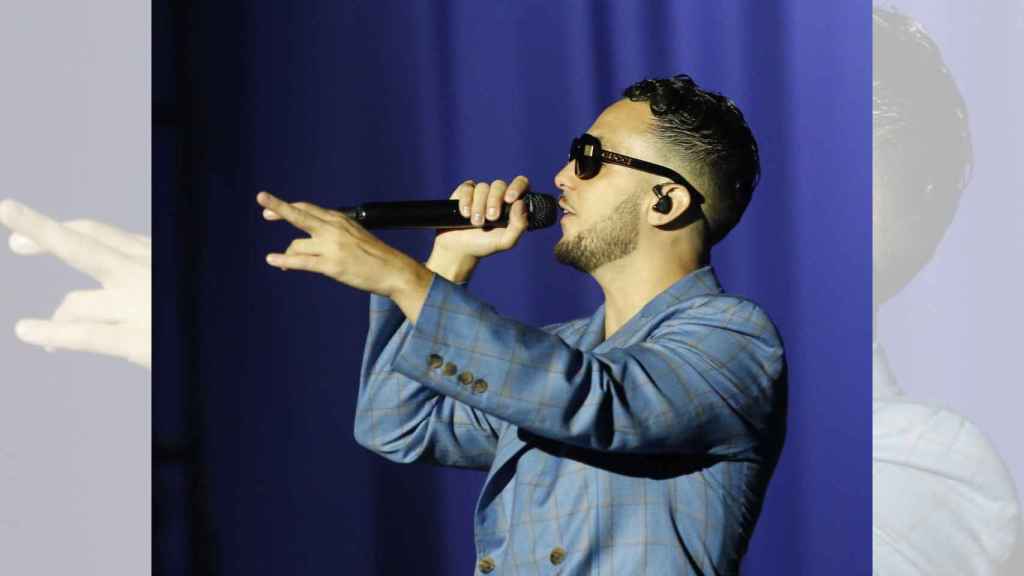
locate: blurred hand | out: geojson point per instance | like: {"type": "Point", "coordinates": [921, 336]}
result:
{"type": "Point", "coordinates": [114, 320]}
{"type": "Point", "coordinates": [456, 252]}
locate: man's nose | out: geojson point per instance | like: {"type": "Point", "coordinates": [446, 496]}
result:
{"type": "Point", "coordinates": [564, 177]}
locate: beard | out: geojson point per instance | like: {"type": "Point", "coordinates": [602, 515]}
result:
{"type": "Point", "coordinates": [608, 240]}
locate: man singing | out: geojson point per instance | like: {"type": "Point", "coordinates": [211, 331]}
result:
{"type": "Point", "coordinates": [639, 440]}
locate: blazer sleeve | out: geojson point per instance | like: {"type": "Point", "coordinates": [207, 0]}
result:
{"type": "Point", "coordinates": [405, 421]}
{"type": "Point", "coordinates": [709, 380]}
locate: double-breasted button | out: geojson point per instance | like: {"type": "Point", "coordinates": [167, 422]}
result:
{"type": "Point", "coordinates": [466, 378]}
{"type": "Point", "coordinates": [479, 386]}
{"type": "Point", "coordinates": [486, 565]}
{"type": "Point", "coordinates": [434, 361]}
{"type": "Point", "coordinates": [557, 555]}
{"type": "Point", "coordinates": [450, 369]}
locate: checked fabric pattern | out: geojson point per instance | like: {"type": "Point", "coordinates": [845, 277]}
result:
{"type": "Point", "coordinates": [645, 453]}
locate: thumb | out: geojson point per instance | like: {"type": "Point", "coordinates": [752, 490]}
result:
{"type": "Point", "coordinates": [516, 225]}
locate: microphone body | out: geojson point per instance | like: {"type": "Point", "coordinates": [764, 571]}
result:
{"type": "Point", "coordinates": [541, 212]}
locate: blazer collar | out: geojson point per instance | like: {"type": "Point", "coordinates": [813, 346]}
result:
{"type": "Point", "coordinates": [883, 383]}
{"type": "Point", "coordinates": [700, 282]}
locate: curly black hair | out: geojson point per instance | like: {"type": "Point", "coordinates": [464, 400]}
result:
{"type": "Point", "coordinates": [707, 132]}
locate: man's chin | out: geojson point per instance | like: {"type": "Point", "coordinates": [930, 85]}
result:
{"type": "Point", "coordinates": [564, 240]}
{"type": "Point", "coordinates": [570, 263]}
{"type": "Point", "coordinates": [569, 254]}
{"type": "Point", "coordinates": [563, 243]}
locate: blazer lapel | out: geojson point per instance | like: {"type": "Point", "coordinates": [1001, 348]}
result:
{"type": "Point", "coordinates": [510, 446]}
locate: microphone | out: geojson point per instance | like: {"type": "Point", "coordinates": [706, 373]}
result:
{"type": "Point", "coordinates": [541, 212]}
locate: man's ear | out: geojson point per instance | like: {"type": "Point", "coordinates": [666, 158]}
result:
{"type": "Point", "coordinates": [664, 209]}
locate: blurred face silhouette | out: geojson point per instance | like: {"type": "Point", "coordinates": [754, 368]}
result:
{"type": "Point", "coordinates": [921, 151]}
{"type": "Point", "coordinates": [604, 213]}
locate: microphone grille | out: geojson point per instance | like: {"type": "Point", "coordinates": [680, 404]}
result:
{"type": "Point", "coordinates": [541, 210]}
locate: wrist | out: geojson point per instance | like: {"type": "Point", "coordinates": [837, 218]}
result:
{"type": "Point", "coordinates": [411, 291]}
{"type": "Point", "coordinates": [456, 268]}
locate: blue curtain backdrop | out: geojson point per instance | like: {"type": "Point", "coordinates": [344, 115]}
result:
{"type": "Point", "coordinates": [256, 470]}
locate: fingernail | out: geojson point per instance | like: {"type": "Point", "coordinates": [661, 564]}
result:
{"type": "Point", "coordinates": [477, 218]}
{"type": "Point", "coordinates": [22, 329]}
{"type": "Point", "coordinates": [273, 260]}
{"type": "Point", "coordinates": [19, 243]}
{"type": "Point", "coordinates": [465, 211]}
{"type": "Point", "coordinates": [492, 212]}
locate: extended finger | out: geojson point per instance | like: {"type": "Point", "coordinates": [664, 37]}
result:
{"type": "Point", "coordinates": [112, 236]}
{"type": "Point", "coordinates": [76, 249]}
{"type": "Point", "coordinates": [494, 198]}
{"type": "Point", "coordinates": [464, 194]}
{"type": "Point", "coordinates": [295, 216]}
{"type": "Point", "coordinates": [480, 192]}
{"type": "Point", "coordinates": [109, 339]}
{"type": "Point", "coordinates": [297, 262]}
{"type": "Point", "coordinates": [93, 305]}
{"type": "Point", "coordinates": [519, 186]}
{"type": "Point", "coordinates": [322, 213]}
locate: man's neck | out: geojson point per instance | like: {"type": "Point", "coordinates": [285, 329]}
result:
{"type": "Point", "coordinates": [631, 282]}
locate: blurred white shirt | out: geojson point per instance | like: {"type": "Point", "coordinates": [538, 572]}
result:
{"type": "Point", "coordinates": [943, 501]}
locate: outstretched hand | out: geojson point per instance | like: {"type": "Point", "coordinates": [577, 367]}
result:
{"type": "Point", "coordinates": [342, 250]}
{"type": "Point", "coordinates": [114, 320]}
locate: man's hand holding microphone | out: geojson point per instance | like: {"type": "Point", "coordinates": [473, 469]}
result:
{"type": "Point", "coordinates": [457, 252]}
{"type": "Point", "coordinates": [340, 248]}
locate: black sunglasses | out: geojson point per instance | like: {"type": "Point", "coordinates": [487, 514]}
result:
{"type": "Point", "coordinates": [587, 155]}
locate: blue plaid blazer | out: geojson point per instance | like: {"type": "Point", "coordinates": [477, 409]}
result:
{"type": "Point", "coordinates": [646, 453]}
